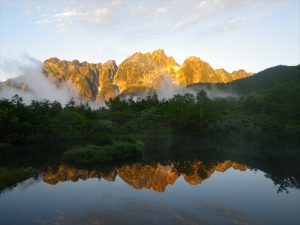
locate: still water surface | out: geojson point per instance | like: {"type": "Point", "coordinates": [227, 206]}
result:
{"type": "Point", "coordinates": [137, 193]}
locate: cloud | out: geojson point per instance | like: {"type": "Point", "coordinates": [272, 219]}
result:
{"type": "Point", "coordinates": [140, 9]}
{"type": "Point", "coordinates": [29, 71]}
{"type": "Point", "coordinates": [161, 11]}
{"type": "Point", "coordinates": [136, 19]}
{"type": "Point", "coordinates": [209, 9]}
{"type": "Point", "coordinates": [235, 23]}
{"type": "Point", "coordinates": [67, 14]}
{"type": "Point", "coordinates": [178, 14]}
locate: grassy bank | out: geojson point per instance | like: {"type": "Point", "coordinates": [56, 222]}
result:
{"type": "Point", "coordinates": [10, 177]}
{"type": "Point", "coordinates": [93, 154]}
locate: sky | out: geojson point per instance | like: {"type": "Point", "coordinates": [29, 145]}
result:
{"type": "Point", "coordinates": [232, 34]}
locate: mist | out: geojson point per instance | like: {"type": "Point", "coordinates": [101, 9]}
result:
{"type": "Point", "coordinates": [167, 89]}
{"type": "Point", "coordinates": [29, 71]}
{"type": "Point", "coordinates": [40, 87]}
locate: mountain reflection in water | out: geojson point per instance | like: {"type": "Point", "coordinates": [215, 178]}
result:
{"type": "Point", "coordinates": [153, 176]}
{"type": "Point", "coordinates": [168, 193]}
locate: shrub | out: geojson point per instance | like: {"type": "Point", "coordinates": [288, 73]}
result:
{"type": "Point", "coordinates": [92, 154]}
{"type": "Point", "coordinates": [9, 177]}
{"type": "Point", "coordinates": [103, 139]}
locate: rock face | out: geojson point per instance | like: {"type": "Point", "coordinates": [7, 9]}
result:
{"type": "Point", "coordinates": [14, 83]}
{"type": "Point", "coordinates": [148, 70]}
{"type": "Point", "coordinates": [223, 75]}
{"type": "Point", "coordinates": [91, 80]}
{"type": "Point", "coordinates": [194, 70]}
{"type": "Point", "coordinates": [139, 74]}
{"type": "Point", "coordinates": [143, 70]}
{"type": "Point", "coordinates": [240, 74]}
{"type": "Point", "coordinates": [106, 88]}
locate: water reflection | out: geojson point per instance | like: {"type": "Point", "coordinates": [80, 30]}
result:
{"type": "Point", "coordinates": [153, 176]}
{"type": "Point", "coordinates": [186, 192]}
{"type": "Point", "coordinates": [181, 181]}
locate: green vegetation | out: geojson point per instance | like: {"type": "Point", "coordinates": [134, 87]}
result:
{"type": "Point", "coordinates": [276, 113]}
{"type": "Point", "coordinates": [9, 177]}
{"type": "Point", "coordinates": [91, 154]}
{"type": "Point", "coordinates": [262, 113]}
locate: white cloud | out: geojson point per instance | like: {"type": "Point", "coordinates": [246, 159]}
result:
{"type": "Point", "coordinates": [30, 71]}
{"type": "Point", "coordinates": [234, 23]}
{"type": "Point", "coordinates": [161, 11]}
{"type": "Point", "coordinates": [140, 9]}
{"type": "Point", "coordinates": [209, 9]}
{"type": "Point", "coordinates": [141, 17]}
{"type": "Point", "coordinates": [65, 14]}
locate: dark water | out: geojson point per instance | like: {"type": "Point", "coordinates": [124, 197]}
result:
{"type": "Point", "coordinates": [177, 181]}
{"type": "Point", "coordinates": [186, 192]}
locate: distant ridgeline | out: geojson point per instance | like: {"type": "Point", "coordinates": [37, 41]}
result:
{"type": "Point", "coordinates": [139, 73]}
{"type": "Point", "coordinates": [277, 77]}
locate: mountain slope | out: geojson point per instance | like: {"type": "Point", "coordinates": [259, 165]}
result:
{"type": "Point", "coordinates": [88, 78]}
{"type": "Point", "coordinates": [267, 79]}
{"type": "Point", "coordinates": [139, 73]}
{"type": "Point", "coordinates": [143, 70]}
{"type": "Point", "coordinates": [282, 77]}
{"type": "Point", "coordinates": [194, 70]}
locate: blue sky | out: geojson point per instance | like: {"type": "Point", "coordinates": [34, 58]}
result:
{"type": "Point", "coordinates": [232, 34]}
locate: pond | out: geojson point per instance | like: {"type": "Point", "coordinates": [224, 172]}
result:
{"type": "Point", "coordinates": [174, 192]}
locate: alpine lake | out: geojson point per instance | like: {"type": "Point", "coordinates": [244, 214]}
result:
{"type": "Point", "coordinates": [177, 181]}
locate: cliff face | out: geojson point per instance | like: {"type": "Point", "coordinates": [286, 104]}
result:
{"type": "Point", "coordinates": [194, 70]}
{"type": "Point", "coordinates": [143, 70]}
{"type": "Point", "coordinates": [223, 75]}
{"type": "Point", "coordinates": [148, 70]}
{"type": "Point", "coordinates": [91, 80]}
{"type": "Point", "coordinates": [240, 74]}
{"type": "Point", "coordinates": [14, 83]}
{"type": "Point", "coordinates": [106, 88]}
{"type": "Point", "coordinates": [138, 74]}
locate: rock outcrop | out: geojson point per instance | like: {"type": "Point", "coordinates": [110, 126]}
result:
{"type": "Point", "coordinates": [140, 74]}
{"type": "Point", "coordinates": [143, 70]}
{"type": "Point", "coordinates": [90, 80]}
{"type": "Point", "coordinates": [194, 70]}
{"type": "Point", "coordinates": [223, 75]}
{"type": "Point", "coordinates": [106, 88]}
{"type": "Point", "coordinates": [240, 74]}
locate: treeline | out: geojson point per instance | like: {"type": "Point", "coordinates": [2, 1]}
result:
{"type": "Point", "coordinates": [275, 114]}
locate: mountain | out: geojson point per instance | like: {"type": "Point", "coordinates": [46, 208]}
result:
{"type": "Point", "coordinates": [224, 75]}
{"type": "Point", "coordinates": [194, 70]}
{"type": "Point", "coordinates": [261, 82]}
{"type": "Point", "coordinates": [106, 88]}
{"type": "Point", "coordinates": [144, 70]}
{"type": "Point", "coordinates": [14, 83]}
{"type": "Point", "coordinates": [92, 81]}
{"type": "Point", "coordinates": [283, 78]}
{"type": "Point", "coordinates": [84, 76]}
{"type": "Point", "coordinates": [138, 74]}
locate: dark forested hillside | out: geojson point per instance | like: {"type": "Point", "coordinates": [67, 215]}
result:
{"type": "Point", "coordinates": [278, 77]}
{"type": "Point", "coordinates": [275, 77]}
{"type": "Point", "coordinates": [270, 105]}
{"type": "Point", "coordinates": [262, 123]}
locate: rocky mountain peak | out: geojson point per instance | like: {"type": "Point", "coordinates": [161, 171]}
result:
{"type": "Point", "coordinates": [88, 78]}
{"type": "Point", "coordinates": [194, 70]}
{"type": "Point", "coordinates": [138, 72]}
{"type": "Point", "coordinates": [143, 70]}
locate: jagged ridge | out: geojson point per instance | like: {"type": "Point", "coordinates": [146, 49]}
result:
{"type": "Point", "coordinates": [139, 71]}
